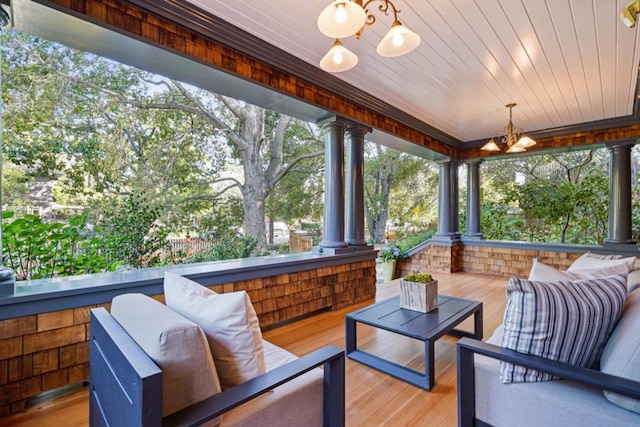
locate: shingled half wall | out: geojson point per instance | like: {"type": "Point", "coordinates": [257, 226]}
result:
{"type": "Point", "coordinates": [513, 259]}
{"type": "Point", "coordinates": [50, 349]}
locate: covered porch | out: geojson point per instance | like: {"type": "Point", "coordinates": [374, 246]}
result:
{"type": "Point", "coordinates": [466, 265]}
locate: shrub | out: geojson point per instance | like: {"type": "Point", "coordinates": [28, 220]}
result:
{"type": "Point", "coordinates": [228, 247]}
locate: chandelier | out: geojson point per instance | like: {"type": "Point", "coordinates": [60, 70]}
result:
{"type": "Point", "coordinates": [515, 139]}
{"type": "Point", "coordinates": [344, 18]}
{"type": "Point", "coordinates": [629, 14]}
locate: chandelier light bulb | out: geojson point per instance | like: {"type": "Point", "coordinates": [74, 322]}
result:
{"type": "Point", "coordinates": [342, 18]}
{"type": "Point", "coordinates": [398, 39]}
{"type": "Point", "coordinates": [338, 59]}
{"type": "Point", "coordinates": [341, 14]}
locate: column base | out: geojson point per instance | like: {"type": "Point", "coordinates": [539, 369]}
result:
{"type": "Point", "coordinates": [472, 237]}
{"type": "Point", "coordinates": [360, 248]}
{"type": "Point", "coordinates": [630, 245]}
{"type": "Point", "coordinates": [319, 250]}
{"type": "Point", "coordinates": [449, 239]}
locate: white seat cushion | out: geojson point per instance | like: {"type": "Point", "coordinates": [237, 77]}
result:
{"type": "Point", "coordinates": [177, 345]}
{"type": "Point", "coordinates": [229, 322]}
{"type": "Point", "coordinates": [298, 402]}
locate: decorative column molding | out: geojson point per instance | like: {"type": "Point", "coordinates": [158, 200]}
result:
{"type": "Point", "coordinates": [455, 198]}
{"type": "Point", "coordinates": [620, 231]}
{"type": "Point", "coordinates": [354, 188]}
{"type": "Point", "coordinates": [446, 233]}
{"type": "Point", "coordinates": [473, 200]}
{"type": "Point", "coordinates": [333, 224]}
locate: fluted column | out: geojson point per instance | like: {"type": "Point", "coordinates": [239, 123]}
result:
{"type": "Point", "coordinates": [444, 197]}
{"type": "Point", "coordinates": [354, 188]}
{"type": "Point", "coordinates": [333, 225]}
{"type": "Point", "coordinates": [455, 198]}
{"type": "Point", "coordinates": [620, 231]}
{"type": "Point", "coordinates": [473, 200]}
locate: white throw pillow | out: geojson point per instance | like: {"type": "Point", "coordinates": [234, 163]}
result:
{"type": "Point", "coordinates": [561, 320]}
{"type": "Point", "coordinates": [589, 260]}
{"type": "Point", "coordinates": [229, 322]}
{"type": "Point", "coordinates": [545, 273]}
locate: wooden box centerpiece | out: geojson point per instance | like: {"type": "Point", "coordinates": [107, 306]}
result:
{"type": "Point", "coordinates": [418, 292]}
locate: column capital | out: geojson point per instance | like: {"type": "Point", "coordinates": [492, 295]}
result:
{"type": "Point", "coordinates": [356, 129]}
{"type": "Point", "coordinates": [445, 161]}
{"type": "Point", "coordinates": [619, 145]}
{"type": "Point", "coordinates": [334, 120]}
{"type": "Point", "coordinates": [474, 161]}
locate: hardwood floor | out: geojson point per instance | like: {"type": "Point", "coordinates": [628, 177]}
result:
{"type": "Point", "coordinates": [373, 398]}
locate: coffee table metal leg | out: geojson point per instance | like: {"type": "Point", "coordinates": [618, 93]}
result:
{"type": "Point", "coordinates": [350, 335]}
{"type": "Point", "coordinates": [429, 369]}
{"type": "Point", "coordinates": [478, 326]}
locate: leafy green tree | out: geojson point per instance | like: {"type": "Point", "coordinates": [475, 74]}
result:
{"type": "Point", "coordinates": [547, 198]}
{"type": "Point", "coordinates": [132, 131]}
{"type": "Point", "coordinates": [133, 235]}
{"type": "Point", "coordinates": [380, 171]}
{"type": "Point", "coordinates": [414, 193]}
{"type": "Point", "coordinates": [15, 185]}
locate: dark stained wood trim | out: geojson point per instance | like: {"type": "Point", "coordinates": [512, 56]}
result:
{"type": "Point", "coordinates": [600, 136]}
{"type": "Point", "coordinates": [183, 27]}
{"type": "Point", "coordinates": [195, 19]}
{"type": "Point", "coordinates": [129, 20]}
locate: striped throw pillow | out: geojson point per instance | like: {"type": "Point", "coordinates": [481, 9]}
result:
{"type": "Point", "coordinates": [568, 321]}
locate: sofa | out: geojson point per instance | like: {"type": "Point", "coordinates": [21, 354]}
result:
{"type": "Point", "coordinates": [602, 392]}
{"type": "Point", "coordinates": [151, 365]}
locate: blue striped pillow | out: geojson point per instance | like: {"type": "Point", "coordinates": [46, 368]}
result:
{"type": "Point", "coordinates": [569, 321]}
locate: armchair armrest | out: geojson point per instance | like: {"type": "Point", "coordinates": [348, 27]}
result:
{"type": "Point", "coordinates": [467, 348]}
{"type": "Point", "coordinates": [331, 357]}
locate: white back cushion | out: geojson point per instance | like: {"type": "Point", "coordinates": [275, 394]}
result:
{"type": "Point", "coordinates": [177, 345]}
{"type": "Point", "coordinates": [590, 260]}
{"type": "Point", "coordinates": [621, 354]}
{"type": "Point", "coordinates": [228, 320]}
{"type": "Point", "coordinates": [545, 273]}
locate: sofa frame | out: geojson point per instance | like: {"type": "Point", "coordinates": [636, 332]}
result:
{"type": "Point", "coordinates": [126, 385]}
{"type": "Point", "coordinates": [468, 347]}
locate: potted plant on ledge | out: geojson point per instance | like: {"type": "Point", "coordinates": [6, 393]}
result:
{"type": "Point", "coordinates": [389, 255]}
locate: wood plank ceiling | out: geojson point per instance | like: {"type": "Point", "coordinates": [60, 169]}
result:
{"type": "Point", "coordinates": [564, 62]}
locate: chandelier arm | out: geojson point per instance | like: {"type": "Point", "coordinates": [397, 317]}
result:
{"type": "Point", "coordinates": [371, 19]}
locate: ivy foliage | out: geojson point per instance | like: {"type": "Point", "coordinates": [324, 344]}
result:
{"type": "Point", "coordinates": [36, 250]}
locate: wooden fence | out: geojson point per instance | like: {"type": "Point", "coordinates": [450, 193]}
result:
{"type": "Point", "coordinates": [186, 246]}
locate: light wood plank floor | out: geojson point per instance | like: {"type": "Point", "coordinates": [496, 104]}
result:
{"type": "Point", "coordinates": [373, 398]}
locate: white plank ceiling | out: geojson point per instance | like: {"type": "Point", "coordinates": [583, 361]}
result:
{"type": "Point", "coordinates": [564, 62]}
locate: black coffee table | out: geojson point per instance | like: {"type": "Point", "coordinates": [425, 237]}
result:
{"type": "Point", "coordinates": [426, 327]}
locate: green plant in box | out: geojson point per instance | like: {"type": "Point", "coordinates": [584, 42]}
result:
{"type": "Point", "coordinates": [418, 277]}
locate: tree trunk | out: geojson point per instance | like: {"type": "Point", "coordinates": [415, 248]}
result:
{"type": "Point", "coordinates": [253, 199]}
{"type": "Point", "coordinates": [377, 203]}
